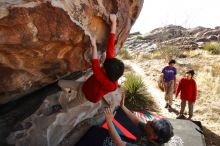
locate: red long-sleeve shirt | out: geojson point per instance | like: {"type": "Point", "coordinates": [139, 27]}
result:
{"type": "Point", "coordinates": [98, 84]}
{"type": "Point", "coordinates": [188, 89]}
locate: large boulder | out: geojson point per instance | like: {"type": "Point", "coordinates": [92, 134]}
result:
{"type": "Point", "coordinates": [41, 41]}
{"type": "Point", "coordinates": [64, 128]}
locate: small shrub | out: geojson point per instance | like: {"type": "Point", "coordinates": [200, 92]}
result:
{"type": "Point", "coordinates": [156, 54]}
{"type": "Point", "coordinates": [144, 56]}
{"type": "Point", "coordinates": [124, 54]}
{"type": "Point", "coordinates": [140, 38]}
{"type": "Point", "coordinates": [169, 52]}
{"type": "Point", "coordinates": [134, 87]}
{"type": "Point", "coordinates": [215, 70]}
{"type": "Point", "coordinates": [213, 47]}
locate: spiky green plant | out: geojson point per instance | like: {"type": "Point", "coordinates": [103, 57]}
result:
{"type": "Point", "coordinates": [134, 88]}
{"type": "Point", "coordinates": [213, 47]}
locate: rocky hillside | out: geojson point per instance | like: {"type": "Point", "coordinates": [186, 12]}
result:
{"type": "Point", "coordinates": [172, 35]}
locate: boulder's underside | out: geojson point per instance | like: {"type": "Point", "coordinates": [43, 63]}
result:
{"type": "Point", "coordinates": [42, 40]}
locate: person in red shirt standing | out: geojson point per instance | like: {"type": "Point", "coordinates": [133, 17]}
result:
{"type": "Point", "coordinates": [103, 80]}
{"type": "Point", "coordinates": [188, 88]}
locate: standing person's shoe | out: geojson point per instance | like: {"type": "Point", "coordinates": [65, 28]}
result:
{"type": "Point", "coordinates": [181, 116]}
{"type": "Point", "coordinates": [167, 105]}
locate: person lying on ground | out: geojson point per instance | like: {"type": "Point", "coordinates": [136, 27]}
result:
{"type": "Point", "coordinates": [188, 91]}
{"type": "Point", "coordinates": [156, 132]}
{"type": "Point", "coordinates": [103, 80]}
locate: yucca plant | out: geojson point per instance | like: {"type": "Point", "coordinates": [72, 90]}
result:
{"type": "Point", "coordinates": [134, 88]}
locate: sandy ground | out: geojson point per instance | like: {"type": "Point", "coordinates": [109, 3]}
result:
{"type": "Point", "coordinates": [150, 70]}
{"type": "Point", "coordinates": [154, 91]}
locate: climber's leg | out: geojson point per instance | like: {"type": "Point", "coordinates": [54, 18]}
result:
{"type": "Point", "coordinates": [54, 105]}
{"type": "Point", "coordinates": [68, 85]}
{"type": "Point", "coordinates": [79, 99]}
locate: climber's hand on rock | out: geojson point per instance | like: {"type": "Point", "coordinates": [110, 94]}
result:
{"type": "Point", "coordinates": [113, 18]}
{"type": "Point", "coordinates": [93, 42]}
{"type": "Point", "coordinates": [94, 48]}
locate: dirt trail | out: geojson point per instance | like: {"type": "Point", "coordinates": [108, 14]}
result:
{"type": "Point", "coordinates": [152, 89]}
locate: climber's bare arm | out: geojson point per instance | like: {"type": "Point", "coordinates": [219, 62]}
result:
{"type": "Point", "coordinates": [128, 113]}
{"type": "Point", "coordinates": [94, 48]}
{"type": "Point", "coordinates": [110, 50]}
{"type": "Point", "coordinates": [113, 133]}
{"type": "Point", "coordinates": [113, 19]}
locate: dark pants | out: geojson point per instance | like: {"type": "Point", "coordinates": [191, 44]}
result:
{"type": "Point", "coordinates": [190, 106]}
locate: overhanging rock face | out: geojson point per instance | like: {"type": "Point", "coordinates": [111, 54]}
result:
{"type": "Point", "coordinates": [41, 41]}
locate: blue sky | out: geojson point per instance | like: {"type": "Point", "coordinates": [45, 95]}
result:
{"type": "Point", "coordinates": [187, 13]}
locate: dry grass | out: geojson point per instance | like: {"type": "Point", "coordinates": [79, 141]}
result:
{"type": "Point", "coordinates": [212, 47]}
{"type": "Point", "coordinates": [151, 55]}
{"type": "Point", "coordinates": [198, 53]}
{"type": "Point", "coordinates": [165, 52]}
{"type": "Point", "coordinates": [124, 54]}
{"type": "Point", "coordinates": [194, 66]}
{"type": "Point", "coordinates": [127, 69]}
{"type": "Point", "coordinates": [207, 67]}
{"type": "Point", "coordinates": [169, 52]}
{"type": "Point", "coordinates": [207, 107]}
{"type": "Point", "coordinates": [215, 70]}
{"type": "Point", "coordinates": [143, 57]}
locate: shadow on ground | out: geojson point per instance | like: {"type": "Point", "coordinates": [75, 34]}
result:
{"type": "Point", "coordinates": [173, 110]}
{"type": "Point", "coordinates": [211, 138]}
{"type": "Point", "coordinates": [143, 105]}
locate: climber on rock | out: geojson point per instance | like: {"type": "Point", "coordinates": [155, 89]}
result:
{"type": "Point", "coordinates": [103, 80]}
